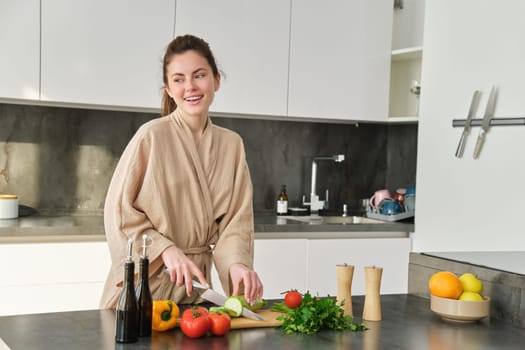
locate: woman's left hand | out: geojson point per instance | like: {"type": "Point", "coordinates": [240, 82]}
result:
{"type": "Point", "coordinates": [242, 275]}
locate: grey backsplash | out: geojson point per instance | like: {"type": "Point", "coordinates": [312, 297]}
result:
{"type": "Point", "coordinates": [60, 160]}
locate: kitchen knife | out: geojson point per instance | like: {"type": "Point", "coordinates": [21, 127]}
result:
{"type": "Point", "coordinates": [219, 299]}
{"type": "Point", "coordinates": [466, 130]}
{"type": "Point", "coordinates": [485, 124]}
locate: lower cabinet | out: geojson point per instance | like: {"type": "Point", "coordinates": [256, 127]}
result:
{"type": "Point", "coordinates": [389, 253]}
{"type": "Point", "coordinates": [280, 264]}
{"type": "Point", "coordinates": [309, 264]}
{"type": "Point", "coordinates": [52, 277]}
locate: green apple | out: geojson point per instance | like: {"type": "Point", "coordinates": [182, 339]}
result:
{"type": "Point", "coordinates": [470, 296]}
{"type": "Point", "coordinates": [471, 283]}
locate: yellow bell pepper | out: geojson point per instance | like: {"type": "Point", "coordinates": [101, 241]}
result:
{"type": "Point", "coordinates": [165, 313]}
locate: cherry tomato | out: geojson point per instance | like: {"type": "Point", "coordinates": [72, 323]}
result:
{"type": "Point", "coordinates": [219, 323]}
{"type": "Point", "coordinates": [293, 299]}
{"type": "Point", "coordinates": [195, 322]}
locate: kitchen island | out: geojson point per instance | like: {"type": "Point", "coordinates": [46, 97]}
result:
{"type": "Point", "coordinates": [407, 323]}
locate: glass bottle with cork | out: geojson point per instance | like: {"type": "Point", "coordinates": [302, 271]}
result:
{"type": "Point", "coordinates": [126, 310]}
{"type": "Point", "coordinates": [282, 201]}
{"type": "Point", "coordinates": [143, 293]}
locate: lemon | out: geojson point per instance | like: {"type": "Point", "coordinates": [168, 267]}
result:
{"type": "Point", "coordinates": [471, 283]}
{"type": "Point", "coordinates": [470, 296]}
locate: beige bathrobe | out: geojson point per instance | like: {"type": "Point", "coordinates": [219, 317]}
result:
{"type": "Point", "coordinates": [196, 198]}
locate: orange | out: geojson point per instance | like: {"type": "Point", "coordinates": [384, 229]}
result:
{"type": "Point", "coordinates": [445, 284]}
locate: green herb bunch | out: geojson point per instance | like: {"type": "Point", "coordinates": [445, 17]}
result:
{"type": "Point", "coordinates": [315, 314]}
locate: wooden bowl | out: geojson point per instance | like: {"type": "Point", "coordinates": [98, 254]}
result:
{"type": "Point", "coordinates": [460, 310]}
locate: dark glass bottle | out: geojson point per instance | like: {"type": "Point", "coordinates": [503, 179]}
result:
{"type": "Point", "coordinates": [282, 201]}
{"type": "Point", "coordinates": [143, 293]}
{"type": "Point", "coordinates": [126, 310]}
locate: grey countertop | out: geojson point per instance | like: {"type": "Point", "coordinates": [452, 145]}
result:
{"type": "Point", "coordinates": [89, 228]}
{"type": "Point", "coordinates": [407, 323]}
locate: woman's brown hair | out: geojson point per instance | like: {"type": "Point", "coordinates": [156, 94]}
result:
{"type": "Point", "coordinates": [180, 45]}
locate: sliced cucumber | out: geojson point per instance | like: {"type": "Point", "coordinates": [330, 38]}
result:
{"type": "Point", "coordinates": [233, 306]}
{"type": "Point", "coordinates": [259, 303]}
{"type": "Point", "coordinates": [218, 309]}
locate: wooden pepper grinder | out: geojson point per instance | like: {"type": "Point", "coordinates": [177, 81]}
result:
{"type": "Point", "coordinates": [345, 274]}
{"type": "Point", "coordinates": [372, 307]}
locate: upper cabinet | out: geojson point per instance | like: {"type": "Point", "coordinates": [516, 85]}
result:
{"type": "Point", "coordinates": [340, 59]}
{"type": "Point", "coordinates": [104, 52]}
{"type": "Point", "coordinates": [20, 42]}
{"type": "Point", "coordinates": [407, 48]}
{"type": "Point", "coordinates": [311, 59]}
{"type": "Point", "coordinates": [250, 42]}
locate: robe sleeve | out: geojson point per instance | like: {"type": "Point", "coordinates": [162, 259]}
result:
{"type": "Point", "coordinates": [235, 243]}
{"type": "Point", "coordinates": [129, 203]}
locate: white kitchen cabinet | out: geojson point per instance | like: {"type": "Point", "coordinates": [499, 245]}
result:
{"type": "Point", "coordinates": [250, 42]}
{"type": "Point", "coordinates": [480, 45]}
{"type": "Point", "coordinates": [340, 59]}
{"type": "Point", "coordinates": [280, 264]}
{"type": "Point", "coordinates": [309, 264]}
{"type": "Point", "coordinates": [389, 253]}
{"type": "Point", "coordinates": [20, 43]}
{"type": "Point", "coordinates": [52, 277]}
{"type": "Point", "coordinates": [405, 72]}
{"type": "Point", "coordinates": [407, 27]}
{"type": "Point", "coordinates": [104, 52]}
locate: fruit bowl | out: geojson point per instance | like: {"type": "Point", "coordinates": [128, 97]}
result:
{"type": "Point", "coordinates": [460, 310]}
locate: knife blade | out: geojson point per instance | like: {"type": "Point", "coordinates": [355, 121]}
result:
{"type": "Point", "coordinates": [485, 124]}
{"type": "Point", "coordinates": [219, 299]}
{"type": "Point", "coordinates": [466, 130]}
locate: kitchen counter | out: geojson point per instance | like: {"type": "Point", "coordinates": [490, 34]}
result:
{"type": "Point", "coordinates": [90, 228]}
{"type": "Point", "coordinates": [407, 323]}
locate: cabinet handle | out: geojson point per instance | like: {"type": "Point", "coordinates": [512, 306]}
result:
{"type": "Point", "coordinates": [398, 4]}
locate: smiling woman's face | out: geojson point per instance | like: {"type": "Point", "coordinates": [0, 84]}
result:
{"type": "Point", "coordinates": [191, 83]}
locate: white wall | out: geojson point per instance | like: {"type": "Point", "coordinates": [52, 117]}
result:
{"type": "Point", "coordinates": [466, 204]}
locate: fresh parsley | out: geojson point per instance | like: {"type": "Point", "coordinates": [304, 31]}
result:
{"type": "Point", "coordinates": [315, 314]}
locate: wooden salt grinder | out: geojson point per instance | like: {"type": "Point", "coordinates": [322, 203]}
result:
{"type": "Point", "coordinates": [372, 307]}
{"type": "Point", "coordinates": [345, 274]}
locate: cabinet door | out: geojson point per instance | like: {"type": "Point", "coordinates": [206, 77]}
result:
{"type": "Point", "coordinates": [407, 28]}
{"type": "Point", "coordinates": [105, 52]}
{"type": "Point", "coordinates": [20, 43]}
{"type": "Point", "coordinates": [389, 253]}
{"type": "Point", "coordinates": [250, 42]}
{"type": "Point", "coordinates": [340, 59]}
{"type": "Point", "coordinates": [280, 264]}
{"type": "Point", "coordinates": [53, 277]}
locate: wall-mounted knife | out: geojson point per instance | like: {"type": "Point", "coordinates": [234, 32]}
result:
{"type": "Point", "coordinates": [466, 130]}
{"type": "Point", "coordinates": [485, 124]}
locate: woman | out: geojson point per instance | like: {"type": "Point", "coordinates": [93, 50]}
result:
{"type": "Point", "coordinates": [185, 183]}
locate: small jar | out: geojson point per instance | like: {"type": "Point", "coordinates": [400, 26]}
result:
{"type": "Point", "coordinates": [8, 206]}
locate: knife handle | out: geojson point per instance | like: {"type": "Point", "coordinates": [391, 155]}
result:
{"type": "Point", "coordinates": [479, 144]}
{"type": "Point", "coordinates": [461, 145]}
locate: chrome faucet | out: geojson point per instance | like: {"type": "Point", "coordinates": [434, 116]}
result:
{"type": "Point", "coordinates": [315, 203]}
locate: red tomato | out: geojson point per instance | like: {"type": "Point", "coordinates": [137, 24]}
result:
{"type": "Point", "coordinates": [199, 309]}
{"type": "Point", "coordinates": [219, 323]}
{"type": "Point", "coordinates": [195, 322]}
{"type": "Point", "coordinates": [293, 299]}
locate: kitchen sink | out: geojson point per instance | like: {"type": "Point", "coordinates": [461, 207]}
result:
{"type": "Point", "coordinates": [341, 220]}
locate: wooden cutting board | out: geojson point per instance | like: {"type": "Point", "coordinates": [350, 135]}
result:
{"type": "Point", "coordinates": [243, 322]}
{"type": "Point", "coordinates": [270, 320]}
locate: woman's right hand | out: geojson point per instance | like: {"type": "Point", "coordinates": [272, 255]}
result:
{"type": "Point", "coordinates": [181, 268]}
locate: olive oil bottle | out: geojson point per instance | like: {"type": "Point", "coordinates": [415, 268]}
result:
{"type": "Point", "coordinates": [126, 310]}
{"type": "Point", "coordinates": [143, 293]}
{"type": "Point", "coordinates": [282, 201]}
